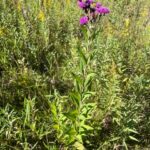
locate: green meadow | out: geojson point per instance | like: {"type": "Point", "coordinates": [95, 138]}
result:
{"type": "Point", "coordinates": [66, 86]}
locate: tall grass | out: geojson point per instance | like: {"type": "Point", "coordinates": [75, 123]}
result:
{"type": "Point", "coordinates": [62, 88]}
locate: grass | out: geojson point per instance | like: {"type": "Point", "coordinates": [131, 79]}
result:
{"type": "Point", "coordinates": [63, 87]}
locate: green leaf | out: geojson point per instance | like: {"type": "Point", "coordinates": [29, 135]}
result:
{"type": "Point", "coordinates": [88, 94]}
{"type": "Point", "coordinates": [33, 126]}
{"type": "Point", "coordinates": [79, 146]}
{"type": "Point", "coordinates": [82, 56]}
{"type": "Point", "coordinates": [76, 97]}
{"type": "Point", "coordinates": [82, 66]}
{"type": "Point", "coordinates": [79, 138]}
{"type": "Point", "coordinates": [53, 109]}
{"type": "Point", "coordinates": [27, 105]}
{"type": "Point", "coordinates": [72, 115]}
{"type": "Point", "coordinates": [87, 127]}
{"type": "Point", "coordinates": [130, 130]}
{"type": "Point", "coordinates": [114, 139]}
{"type": "Point", "coordinates": [133, 138]}
{"type": "Point", "coordinates": [56, 126]}
{"type": "Point", "coordinates": [133, 131]}
{"type": "Point", "coordinates": [89, 78]}
{"type": "Point", "coordinates": [125, 145]}
{"type": "Point", "coordinates": [77, 81]}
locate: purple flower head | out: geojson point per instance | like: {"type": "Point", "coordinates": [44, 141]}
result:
{"type": "Point", "coordinates": [92, 10]}
{"type": "Point", "coordinates": [84, 4]}
{"type": "Point", "coordinates": [89, 1]}
{"type": "Point", "coordinates": [81, 4]}
{"type": "Point", "coordinates": [84, 20]}
{"type": "Point", "coordinates": [88, 4]}
{"type": "Point", "coordinates": [102, 10]}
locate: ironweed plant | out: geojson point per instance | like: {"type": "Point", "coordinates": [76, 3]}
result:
{"type": "Point", "coordinates": [74, 74]}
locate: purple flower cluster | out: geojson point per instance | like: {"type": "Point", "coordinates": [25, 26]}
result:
{"type": "Point", "coordinates": [84, 20]}
{"type": "Point", "coordinates": [85, 5]}
{"type": "Point", "coordinates": [92, 9]}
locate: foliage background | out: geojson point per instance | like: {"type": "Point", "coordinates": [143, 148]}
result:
{"type": "Point", "coordinates": [38, 54]}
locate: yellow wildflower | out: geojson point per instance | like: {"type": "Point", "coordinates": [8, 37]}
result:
{"type": "Point", "coordinates": [41, 16]}
{"type": "Point", "coordinates": [19, 5]}
{"type": "Point", "coordinates": [127, 22]}
{"type": "Point", "coordinates": [68, 2]}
